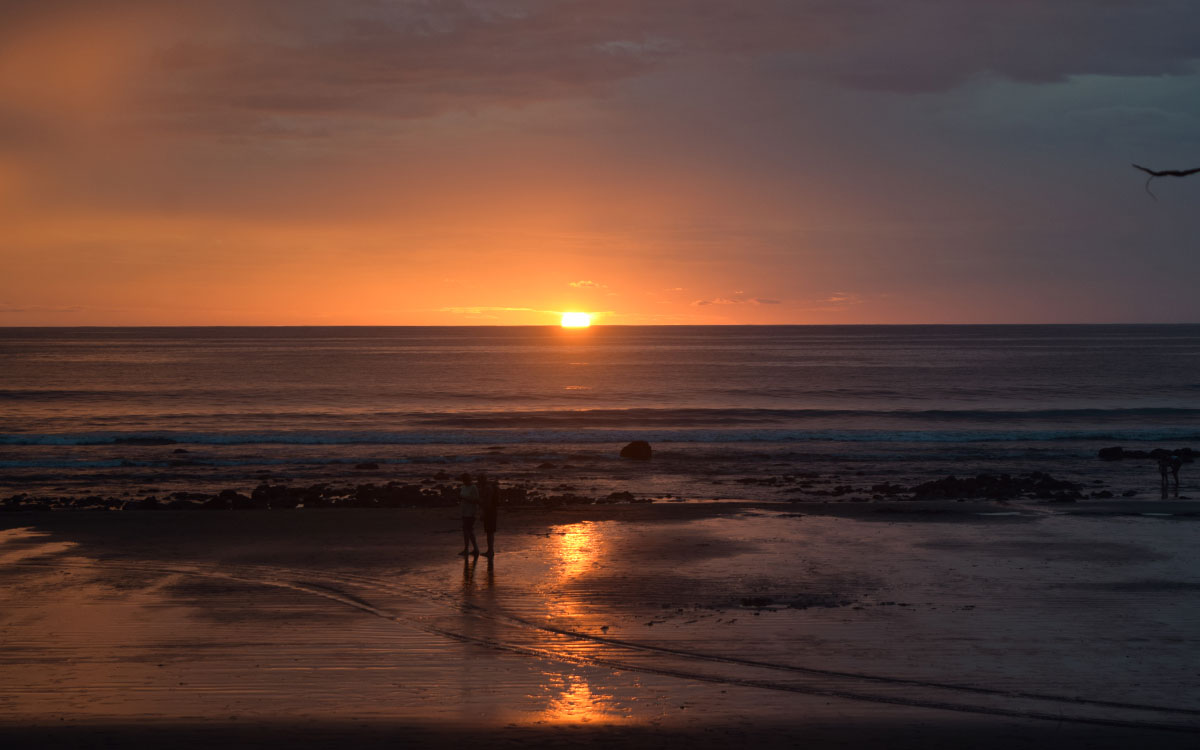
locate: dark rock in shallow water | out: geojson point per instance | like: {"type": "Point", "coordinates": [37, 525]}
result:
{"type": "Point", "coordinates": [228, 499]}
{"type": "Point", "coordinates": [279, 497]}
{"type": "Point", "coordinates": [367, 466]}
{"type": "Point", "coordinates": [999, 487]}
{"type": "Point", "coordinates": [241, 502]}
{"type": "Point", "coordinates": [621, 497]}
{"type": "Point", "coordinates": [757, 601]}
{"type": "Point", "coordinates": [149, 503]}
{"type": "Point", "coordinates": [638, 450]}
{"type": "Point", "coordinates": [515, 495]}
{"type": "Point", "coordinates": [401, 496]}
{"type": "Point", "coordinates": [181, 450]}
{"type": "Point", "coordinates": [1117, 453]}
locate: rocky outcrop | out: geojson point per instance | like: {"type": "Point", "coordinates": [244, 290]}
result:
{"type": "Point", "coordinates": [638, 450]}
{"type": "Point", "coordinates": [999, 487]}
{"type": "Point", "coordinates": [1117, 453]}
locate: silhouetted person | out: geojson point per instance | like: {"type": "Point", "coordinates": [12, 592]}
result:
{"type": "Point", "coordinates": [1164, 466]}
{"type": "Point", "coordinates": [1176, 465]}
{"type": "Point", "coordinates": [489, 501]}
{"type": "Point", "coordinates": [468, 495]}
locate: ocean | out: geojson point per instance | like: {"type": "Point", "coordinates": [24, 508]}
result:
{"type": "Point", "coordinates": [88, 411]}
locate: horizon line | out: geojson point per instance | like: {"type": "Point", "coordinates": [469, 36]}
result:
{"type": "Point", "coordinates": [593, 325]}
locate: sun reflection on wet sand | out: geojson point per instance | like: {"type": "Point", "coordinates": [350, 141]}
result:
{"type": "Point", "coordinates": [574, 551]}
{"type": "Point", "coordinates": [576, 547]}
{"type": "Point", "coordinates": [573, 701]}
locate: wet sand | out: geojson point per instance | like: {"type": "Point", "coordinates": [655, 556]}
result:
{"type": "Point", "coordinates": [897, 624]}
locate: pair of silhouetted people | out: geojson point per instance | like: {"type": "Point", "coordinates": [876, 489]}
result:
{"type": "Point", "coordinates": [1170, 464]}
{"type": "Point", "coordinates": [478, 497]}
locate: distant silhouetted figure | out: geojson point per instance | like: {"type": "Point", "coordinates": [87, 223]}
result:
{"type": "Point", "coordinates": [489, 502]}
{"type": "Point", "coordinates": [1171, 466]}
{"type": "Point", "coordinates": [468, 495]}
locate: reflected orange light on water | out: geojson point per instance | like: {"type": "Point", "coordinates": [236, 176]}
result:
{"type": "Point", "coordinates": [576, 548]}
{"type": "Point", "coordinates": [576, 702]}
{"type": "Point", "coordinates": [574, 551]}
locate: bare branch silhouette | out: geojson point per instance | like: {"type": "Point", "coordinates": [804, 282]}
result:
{"type": "Point", "coordinates": [1163, 173]}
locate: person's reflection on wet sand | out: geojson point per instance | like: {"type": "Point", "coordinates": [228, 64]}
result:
{"type": "Point", "coordinates": [468, 580]}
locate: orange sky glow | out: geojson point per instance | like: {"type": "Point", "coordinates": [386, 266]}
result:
{"type": "Point", "coordinates": [268, 163]}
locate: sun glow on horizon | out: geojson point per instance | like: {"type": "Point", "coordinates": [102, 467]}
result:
{"type": "Point", "coordinates": [576, 320]}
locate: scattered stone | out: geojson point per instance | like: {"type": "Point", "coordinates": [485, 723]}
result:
{"type": "Point", "coordinates": [148, 503]}
{"type": "Point", "coordinates": [757, 601]}
{"type": "Point", "coordinates": [999, 487]}
{"type": "Point", "coordinates": [1117, 453]}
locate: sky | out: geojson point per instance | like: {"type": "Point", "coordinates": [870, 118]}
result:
{"type": "Point", "coordinates": [392, 162]}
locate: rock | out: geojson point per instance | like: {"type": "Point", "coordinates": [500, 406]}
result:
{"type": "Point", "coordinates": [757, 601]}
{"type": "Point", "coordinates": [997, 487]}
{"type": "Point", "coordinates": [367, 466]}
{"type": "Point", "coordinates": [400, 496]}
{"type": "Point", "coordinates": [638, 450]}
{"type": "Point", "coordinates": [238, 501]}
{"type": "Point", "coordinates": [515, 495]}
{"type": "Point", "coordinates": [226, 500]}
{"type": "Point", "coordinates": [149, 503]}
{"type": "Point", "coordinates": [180, 450]}
{"type": "Point", "coordinates": [279, 497]}
{"type": "Point", "coordinates": [1115, 453]}
{"type": "Point", "coordinates": [621, 497]}
{"type": "Point", "coordinates": [545, 465]}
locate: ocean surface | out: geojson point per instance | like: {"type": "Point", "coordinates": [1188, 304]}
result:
{"type": "Point", "coordinates": [105, 410]}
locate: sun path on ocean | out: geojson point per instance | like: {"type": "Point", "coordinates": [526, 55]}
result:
{"type": "Point", "coordinates": [576, 320]}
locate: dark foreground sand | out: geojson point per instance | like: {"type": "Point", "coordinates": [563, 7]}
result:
{"type": "Point", "coordinates": [901, 625]}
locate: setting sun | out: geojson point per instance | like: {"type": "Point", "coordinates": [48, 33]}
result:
{"type": "Point", "coordinates": [576, 320]}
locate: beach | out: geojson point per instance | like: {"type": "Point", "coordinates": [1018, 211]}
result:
{"type": "Point", "coordinates": [906, 624]}
{"type": "Point", "coordinates": [903, 536]}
